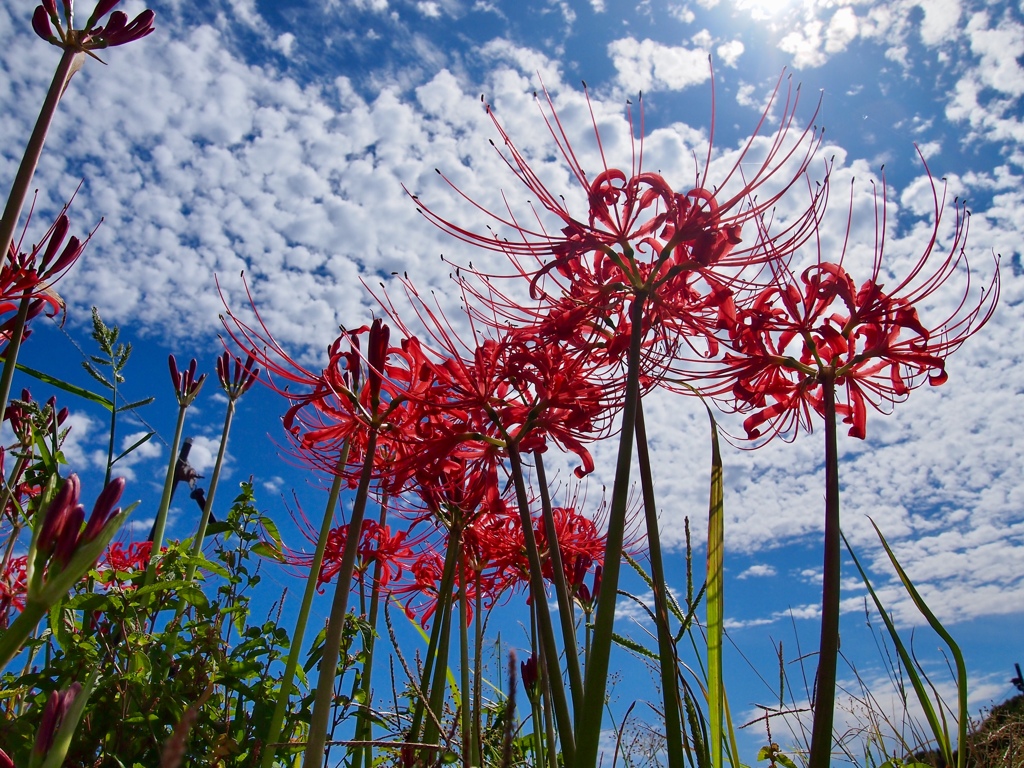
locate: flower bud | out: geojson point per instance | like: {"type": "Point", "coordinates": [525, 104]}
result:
{"type": "Point", "coordinates": [56, 517]}
{"type": "Point", "coordinates": [104, 509]}
{"type": "Point", "coordinates": [56, 708]}
{"type": "Point", "coordinates": [41, 25]}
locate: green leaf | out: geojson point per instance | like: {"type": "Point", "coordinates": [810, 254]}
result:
{"type": "Point", "coordinates": [715, 601]}
{"type": "Point", "coordinates": [66, 386]}
{"type": "Point", "coordinates": [135, 445]}
{"type": "Point", "coordinates": [136, 404]}
{"type": "Point", "coordinates": [269, 551]}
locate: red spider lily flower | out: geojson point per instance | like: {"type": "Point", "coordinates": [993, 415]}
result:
{"type": "Point", "coordinates": [352, 396]}
{"type": "Point", "coordinates": [30, 274]}
{"type": "Point", "coordinates": [377, 545]}
{"type": "Point", "coordinates": [122, 564]}
{"type": "Point", "coordinates": [640, 238]}
{"type": "Point", "coordinates": [117, 31]}
{"type": "Point", "coordinates": [13, 586]}
{"type": "Point", "coordinates": [186, 385]}
{"type": "Point", "coordinates": [238, 378]}
{"type": "Point", "coordinates": [580, 542]}
{"type": "Point", "coordinates": [513, 388]}
{"type": "Point", "coordinates": [821, 329]}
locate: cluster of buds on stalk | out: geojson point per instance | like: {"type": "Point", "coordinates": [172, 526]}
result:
{"type": "Point", "coordinates": [238, 378]}
{"type": "Point", "coordinates": [28, 417]}
{"type": "Point", "coordinates": [59, 29]}
{"type": "Point", "coordinates": [62, 549]}
{"type": "Point", "coordinates": [186, 385]}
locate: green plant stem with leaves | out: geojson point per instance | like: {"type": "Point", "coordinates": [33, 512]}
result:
{"type": "Point", "coordinates": [667, 661]}
{"type": "Point", "coordinates": [545, 628]}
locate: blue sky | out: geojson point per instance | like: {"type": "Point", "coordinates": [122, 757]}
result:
{"type": "Point", "coordinates": [275, 138]}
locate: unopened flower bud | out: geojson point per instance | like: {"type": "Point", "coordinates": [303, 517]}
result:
{"type": "Point", "coordinates": [56, 517]}
{"type": "Point", "coordinates": [104, 509]}
{"type": "Point", "coordinates": [68, 538]}
{"type": "Point", "coordinates": [56, 708]}
{"type": "Point", "coordinates": [41, 25]}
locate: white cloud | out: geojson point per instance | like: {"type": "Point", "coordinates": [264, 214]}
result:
{"type": "Point", "coordinates": [730, 52]}
{"type": "Point", "coordinates": [429, 9]}
{"type": "Point", "coordinates": [758, 571]}
{"type": "Point", "coordinates": [842, 29]}
{"type": "Point", "coordinates": [646, 65]}
{"type": "Point", "coordinates": [804, 44]}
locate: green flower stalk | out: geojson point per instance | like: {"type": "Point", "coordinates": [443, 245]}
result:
{"type": "Point", "coordinates": [235, 382]}
{"type": "Point", "coordinates": [186, 387]}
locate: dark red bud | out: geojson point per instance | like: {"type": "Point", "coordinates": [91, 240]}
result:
{"type": "Point", "coordinates": [57, 235]}
{"type": "Point", "coordinates": [175, 376]}
{"type": "Point", "coordinates": [104, 509]}
{"type": "Point", "coordinates": [51, 8]}
{"type": "Point", "coordinates": [55, 519]}
{"type": "Point", "coordinates": [56, 709]}
{"type": "Point", "coordinates": [116, 24]}
{"type": "Point", "coordinates": [41, 24]}
{"type": "Point", "coordinates": [103, 7]}
{"type": "Point", "coordinates": [71, 252]}
{"type": "Point", "coordinates": [140, 26]}
{"type": "Point", "coordinates": [69, 537]}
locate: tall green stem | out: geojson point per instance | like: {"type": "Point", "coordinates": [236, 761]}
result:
{"type": "Point", "coordinates": [204, 520]}
{"type": "Point", "coordinates": [70, 62]}
{"type": "Point", "coordinates": [295, 650]}
{"type": "Point", "coordinates": [364, 723]}
{"type": "Point", "coordinates": [667, 661]}
{"type": "Point", "coordinates": [323, 700]}
{"type": "Point", "coordinates": [545, 630]}
{"type": "Point", "coordinates": [165, 500]}
{"type": "Point", "coordinates": [828, 650]}
{"type": "Point", "coordinates": [437, 647]}
{"type": "Point", "coordinates": [604, 622]}
{"type": "Point", "coordinates": [565, 607]}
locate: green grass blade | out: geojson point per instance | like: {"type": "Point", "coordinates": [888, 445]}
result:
{"type": "Point", "coordinates": [715, 602]}
{"type": "Point", "coordinates": [934, 723]}
{"type": "Point", "coordinates": [954, 649]}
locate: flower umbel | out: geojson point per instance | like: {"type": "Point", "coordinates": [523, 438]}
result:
{"type": "Point", "coordinates": [59, 29]}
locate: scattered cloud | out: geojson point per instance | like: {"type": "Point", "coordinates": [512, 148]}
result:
{"type": "Point", "coordinates": [758, 571]}
{"type": "Point", "coordinates": [646, 65]}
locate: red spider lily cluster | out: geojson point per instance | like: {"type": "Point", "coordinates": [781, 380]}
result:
{"type": "Point", "coordinates": [721, 304]}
